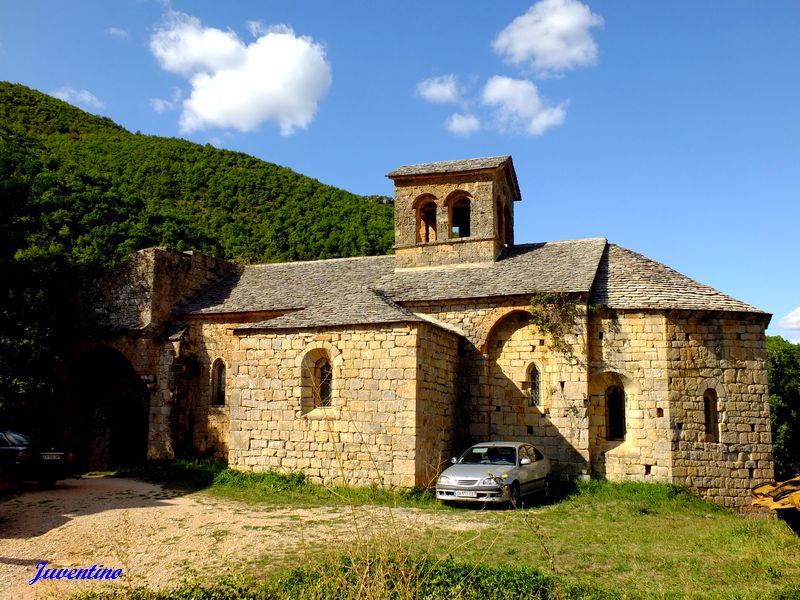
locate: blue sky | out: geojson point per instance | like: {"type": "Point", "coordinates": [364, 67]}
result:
{"type": "Point", "coordinates": [671, 128]}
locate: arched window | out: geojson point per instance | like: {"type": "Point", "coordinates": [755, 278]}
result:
{"type": "Point", "coordinates": [711, 415]}
{"type": "Point", "coordinates": [459, 218]}
{"type": "Point", "coordinates": [533, 385]}
{"type": "Point", "coordinates": [615, 413]}
{"type": "Point", "coordinates": [218, 383]}
{"type": "Point", "coordinates": [323, 382]}
{"type": "Point", "coordinates": [426, 222]}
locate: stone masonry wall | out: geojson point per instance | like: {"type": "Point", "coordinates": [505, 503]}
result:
{"type": "Point", "coordinates": [367, 435]}
{"type": "Point", "coordinates": [630, 350]}
{"type": "Point", "coordinates": [493, 402]}
{"type": "Point", "coordinates": [726, 353]}
{"type": "Point", "coordinates": [484, 242]}
{"type": "Point", "coordinates": [437, 385]}
{"type": "Point", "coordinates": [559, 423]}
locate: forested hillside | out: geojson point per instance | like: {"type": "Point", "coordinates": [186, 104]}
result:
{"type": "Point", "coordinates": [98, 192]}
{"type": "Point", "coordinates": [77, 189]}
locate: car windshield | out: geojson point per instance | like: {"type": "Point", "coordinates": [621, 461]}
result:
{"type": "Point", "coordinates": [17, 439]}
{"type": "Point", "coordinates": [489, 455]}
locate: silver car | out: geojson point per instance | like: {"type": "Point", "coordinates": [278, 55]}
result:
{"type": "Point", "coordinates": [495, 472]}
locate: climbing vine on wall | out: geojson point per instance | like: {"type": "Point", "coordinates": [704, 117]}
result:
{"type": "Point", "coordinates": [554, 315]}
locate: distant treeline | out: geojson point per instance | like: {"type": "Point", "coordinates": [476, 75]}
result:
{"type": "Point", "coordinates": [77, 189]}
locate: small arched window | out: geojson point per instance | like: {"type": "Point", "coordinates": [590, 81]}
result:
{"type": "Point", "coordinates": [323, 382]}
{"type": "Point", "coordinates": [711, 415]}
{"type": "Point", "coordinates": [459, 218]}
{"type": "Point", "coordinates": [615, 413]}
{"type": "Point", "coordinates": [533, 385]}
{"type": "Point", "coordinates": [426, 222]}
{"type": "Point", "coordinates": [218, 383]}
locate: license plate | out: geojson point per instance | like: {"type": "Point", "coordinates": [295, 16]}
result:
{"type": "Point", "coordinates": [466, 494]}
{"type": "Point", "coordinates": [51, 456]}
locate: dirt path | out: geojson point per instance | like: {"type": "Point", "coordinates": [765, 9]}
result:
{"type": "Point", "coordinates": [158, 536]}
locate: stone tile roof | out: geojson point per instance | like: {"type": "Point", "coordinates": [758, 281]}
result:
{"type": "Point", "coordinates": [314, 293]}
{"type": "Point", "coordinates": [627, 280]}
{"type": "Point", "coordinates": [451, 166]}
{"type": "Point", "coordinates": [525, 269]}
{"type": "Point", "coordinates": [366, 290]}
{"type": "Point", "coordinates": [461, 166]}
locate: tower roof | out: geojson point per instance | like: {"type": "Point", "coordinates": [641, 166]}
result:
{"type": "Point", "coordinates": [489, 163]}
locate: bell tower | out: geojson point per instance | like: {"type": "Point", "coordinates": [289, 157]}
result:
{"type": "Point", "coordinates": [453, 212]}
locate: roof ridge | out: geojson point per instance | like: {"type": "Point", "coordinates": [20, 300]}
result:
{"type": "Point", "coordinates": [321, 260]}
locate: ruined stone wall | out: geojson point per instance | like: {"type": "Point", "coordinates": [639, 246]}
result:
{"type": "Point", "coordinates": [630, 350]}
{"type": "Point", "coordinates": [367, 435]}
{"type": "Point", "coordinates": [141, 294]}
{"type": "Point", "coordinates": [437, 384]}
{"type": "Point", "coordinates": [724, 352]}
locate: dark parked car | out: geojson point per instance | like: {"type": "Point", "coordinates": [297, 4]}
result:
{"type": "Point", "coordinates": [495, 472]}
{"type": "Point", "coordinates": [22, 459]}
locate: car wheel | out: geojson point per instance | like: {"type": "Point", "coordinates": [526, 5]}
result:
{"type": "Point", "coordinates": [514, 500]}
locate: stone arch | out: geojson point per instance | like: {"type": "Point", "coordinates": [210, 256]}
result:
{"type": "Point", "coordinates": [308, 365]}
{"type": "Point", "coordinates": [509, 354]}
{"type": "Point", "coordinates": [109, 410]}
{"type": "Point", "coordinates": [425, 213]}
{"type": "Point", "coordinates": [459, 214]}
{"type": "Point", "coordinates": [491, 321]}
{"type": "Point", "coordinates": [599, 386]}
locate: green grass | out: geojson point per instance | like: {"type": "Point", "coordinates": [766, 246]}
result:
{"type": "Point", "coordinates": [270, 487]}
{"type": "Point", "coordinates": [599, 539]}
{"type": "Point", "coordinates": [641, 541]}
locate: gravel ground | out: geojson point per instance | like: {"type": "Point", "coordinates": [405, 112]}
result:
{"type": "Point", "coordinates": [158, 536]}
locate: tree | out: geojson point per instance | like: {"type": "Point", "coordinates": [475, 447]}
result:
{"type": "Point", "coordinates": [783, 365]}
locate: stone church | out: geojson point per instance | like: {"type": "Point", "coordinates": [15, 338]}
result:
{"type": "Point", "coordinates": [379, 369]}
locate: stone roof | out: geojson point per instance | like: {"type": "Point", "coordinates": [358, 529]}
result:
{"type": "Point", "coordinates": [461, 166]}
{"type": "Point", "coordinates": [627, 280]}
{"type": "Point", "coordinates": [568, 266]}
{"type": "Point", "coordinates": [368, 290]}
{"type": "Point", "coordinates": [313, 293]}
{"type": "Point", "coordinates": [451, 166]}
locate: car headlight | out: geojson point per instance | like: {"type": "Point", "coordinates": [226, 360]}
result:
{"type": "Point", "coordinates": [444, 479]}
{"type": "Point", "coordinates": [490, 481]}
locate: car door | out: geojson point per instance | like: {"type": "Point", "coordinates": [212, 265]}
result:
{"type": "Point", "coordinates": [538, 468]}
{"type": "Point", "coordinates": [527, 475]}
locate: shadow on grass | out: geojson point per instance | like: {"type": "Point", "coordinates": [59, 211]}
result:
{"type": "Point", "coordinates": [189, 475]}
{"type": "Point", "coordinates": [292, 489]}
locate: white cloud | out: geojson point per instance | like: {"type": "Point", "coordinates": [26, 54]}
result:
{"type": "Point", "coordinates": [440, 90]}
{"type": "Point", "coordinates": [79, 97]}
{"type": "Point", "coordinates": [519, 108]}
{"type": "Point", "coordinates": [183, 46]}
{"type": "Point", "coordinates": [117, 32]}
{"type": "Point", "coordinates": [279, 77]}
{"type": "Point", "coordinates": [792, 320]}
{"type": "Point", "coordinates": [160, 105]}
{"type": "Point", "coordinates": [554, 36]}
{"type": "Point", "coordinates": [462, 125]}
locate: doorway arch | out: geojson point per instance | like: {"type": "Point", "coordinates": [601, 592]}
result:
{"type": "Point", "coordinates": [109, 411]}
